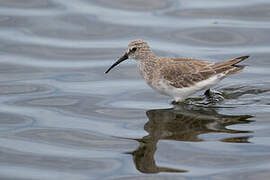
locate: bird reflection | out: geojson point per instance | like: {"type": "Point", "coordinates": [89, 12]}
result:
{"type": "Point", "coordinates": [182, 123]}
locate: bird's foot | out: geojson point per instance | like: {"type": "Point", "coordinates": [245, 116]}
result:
{"type": "Point", "coordinates": [177, 102]}
{"type": "Point", "coordinates": [213, 96]}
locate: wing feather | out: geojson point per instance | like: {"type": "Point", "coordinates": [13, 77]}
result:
{"type": "Point", "coordinates": [181, 72]}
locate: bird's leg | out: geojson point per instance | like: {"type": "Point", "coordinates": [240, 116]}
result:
{"type": "Point", "coordinates": [174, 102]}
{"type": "Point", "coordinates": [213, 96]}
{"type": "Point", "coordinates": [207, 93]}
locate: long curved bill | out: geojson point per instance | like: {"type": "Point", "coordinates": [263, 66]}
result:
{"type": "Point", "coordinates": [121, 59]}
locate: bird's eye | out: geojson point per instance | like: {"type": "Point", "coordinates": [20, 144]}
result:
{"type": "Point", "coordinates": [133, 49]}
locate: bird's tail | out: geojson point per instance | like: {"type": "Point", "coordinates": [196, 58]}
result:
{"type": "Point", "coordinates": [231, 62]}
{"type": "Point", "coordinates": [230, 67]}
{"type": "Point", "coordinates": [236, 69]}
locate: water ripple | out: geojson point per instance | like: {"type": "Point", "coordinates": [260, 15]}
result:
{"type": "Point", "coordinates": [62, 117]}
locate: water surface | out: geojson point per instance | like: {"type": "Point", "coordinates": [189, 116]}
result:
{"type": "Point", "coordinates": [61, 117]}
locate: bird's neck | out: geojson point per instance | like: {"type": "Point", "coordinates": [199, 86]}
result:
{"type": "Point", "coordinates": [146, 67]}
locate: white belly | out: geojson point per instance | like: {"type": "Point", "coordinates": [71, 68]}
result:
{"type": "Point", "coordinates": [180, 94]}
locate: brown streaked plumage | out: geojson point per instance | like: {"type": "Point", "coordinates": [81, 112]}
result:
{"type": "Point", "coordinates": [183, 72]}
{"type": "Point", "coordinates": [178, 77]}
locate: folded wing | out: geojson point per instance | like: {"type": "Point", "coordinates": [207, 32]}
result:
{"type": "Point", "coordinates": [182, 72]}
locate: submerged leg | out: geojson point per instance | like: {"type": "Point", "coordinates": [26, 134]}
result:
{"type": "Point", "coordinates": [207, 93]}
{"type": "Point", "coordinates": [177, 101]}
{"type": "Point", "coordinates": [213, 96]}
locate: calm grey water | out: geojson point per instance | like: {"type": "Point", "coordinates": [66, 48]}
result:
{"type": "Point", "coordinates": [61, 117]}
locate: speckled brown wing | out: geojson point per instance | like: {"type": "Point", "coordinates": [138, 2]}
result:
{"type": "Point", "coordinates": [229, 67]}
{"type": "Point", "coordinates": [182, 72]}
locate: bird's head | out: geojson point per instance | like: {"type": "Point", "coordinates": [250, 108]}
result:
{"type": "Point", "coordinates": [137, 49]}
